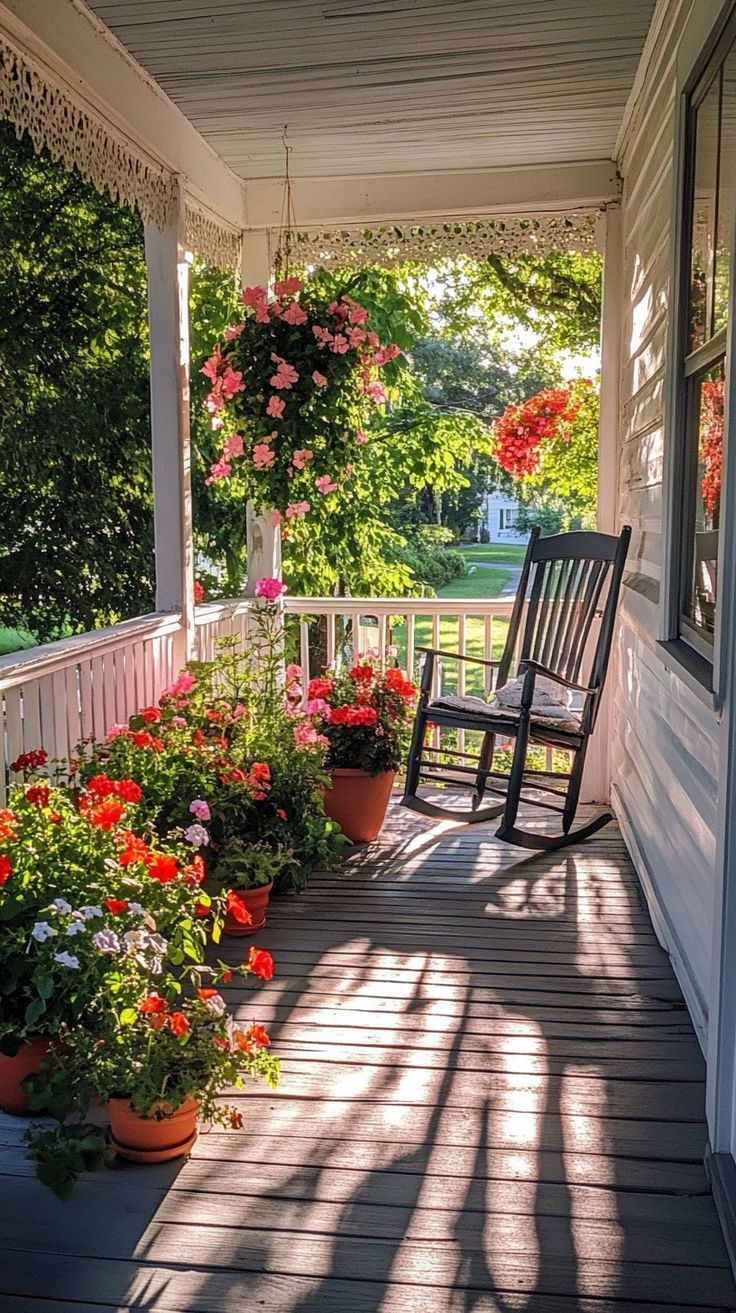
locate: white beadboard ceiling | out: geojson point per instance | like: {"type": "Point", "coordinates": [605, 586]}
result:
{"type": "Point", "coordinates": [391, 86]}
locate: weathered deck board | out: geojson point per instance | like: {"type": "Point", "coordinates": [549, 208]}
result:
{"type": "Point", "coordinates": [492, 1100]}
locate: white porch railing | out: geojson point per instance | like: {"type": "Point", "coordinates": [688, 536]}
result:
{"type": "Point", "coordinates": [55, 695]}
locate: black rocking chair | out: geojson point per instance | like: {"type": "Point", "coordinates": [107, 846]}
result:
{"type": "Point", "coordinates": [566, 582]}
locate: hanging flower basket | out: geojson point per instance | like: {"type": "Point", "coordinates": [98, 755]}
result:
{"type": "Point", "coordinates": [293, 389]}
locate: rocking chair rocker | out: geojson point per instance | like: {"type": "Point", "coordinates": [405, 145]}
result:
{"type": "Point", "coordinates": [566, 582]}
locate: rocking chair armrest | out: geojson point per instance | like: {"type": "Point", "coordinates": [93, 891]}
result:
{"type": "Point", "coordinates": [539, 669]}
{"type": "Point", "coordinates": [458, 656]}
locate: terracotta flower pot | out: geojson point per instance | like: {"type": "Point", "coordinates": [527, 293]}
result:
{"type": "Point", "coordinates": [358, 802]}
{"type": "Point", "coordinates": [253, 902]}
{"type": "Point", "coordinates": [152, 1139]}
{"type": "Point", "coordinates": [13, 1071]}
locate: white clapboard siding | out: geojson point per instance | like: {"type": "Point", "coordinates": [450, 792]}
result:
{"type": "Point", "coordinates": [55, 695]}
{"type": "Point", "coordinates": [664, 739]}
{"type": "Point", "coordinates": [379, 88]}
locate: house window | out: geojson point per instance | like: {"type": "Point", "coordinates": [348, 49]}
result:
{"type": "Point", "coordinates": [508, 517]}
{"type": "Point", "coordinates": [710, 146]}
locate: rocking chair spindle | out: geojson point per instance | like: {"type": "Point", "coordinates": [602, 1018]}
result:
{"type": "Point", "coordinates": [566, 582]}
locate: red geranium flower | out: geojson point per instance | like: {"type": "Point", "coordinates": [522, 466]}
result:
{"type": "Point", "coordinates": [133, 849]}
{"type": "Point", "coordinates": [8, 821]}
{"type": "Point", "coordinates": [204, 994]}
{"type": "Point", "coordinates": [152, 1003]}
{"type": "Point", "coordinates": [143, 739]}
{"type": "Point", "coordinates": [30, 760]}
{"type": "Point", "coordinates": [319, 688]}
{"type": "Point", "coordinates": [6, 867]}
{"type": "Point", "coordinates": [235, 907]}
{"type": "Point", "coordinates": [202, 909]}
{"type": "Point", "coordinates": [38, 794]}
{"type": "Point", "coordinates": [178, 1023]}
{"type": "Point", "coordinates": [151, 715]}
{"type": "Point", "coordinates": [105, 815]}
{"type": "Point", "coordinates": [260, 963]}
{"type": "Point", "coordinates": [116, 905]}
{"type": "Point", "coordinates": [162, 867]}
{"type": "Point", "coordinates": [259, 1035]}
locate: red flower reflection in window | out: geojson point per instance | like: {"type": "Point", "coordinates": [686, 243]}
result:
{"type": "Point", "coordinates": [710, 443]}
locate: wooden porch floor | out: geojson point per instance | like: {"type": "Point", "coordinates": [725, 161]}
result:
{"type": "Point", "coordinates": [492, 1100]}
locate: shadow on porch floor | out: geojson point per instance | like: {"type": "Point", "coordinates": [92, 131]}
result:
{"type": "Point", "coordinates": [492, 1100]}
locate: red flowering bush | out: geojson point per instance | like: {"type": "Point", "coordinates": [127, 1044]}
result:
{"type": "Point", "coordinates": [363, 714]}
{"type": "Point", "coordinates": [710, 444]}
{"type": "Point", "coordinates": [521, 432]}
{"type": "Point", "coordinates": [292, 390]}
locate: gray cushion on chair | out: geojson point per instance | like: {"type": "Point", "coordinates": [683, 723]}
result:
{"type": "Point", "coordinates": [568, 719]}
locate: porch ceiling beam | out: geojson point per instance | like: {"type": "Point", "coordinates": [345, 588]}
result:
{"type": "Point", "coordinates": [327, 202]}
{"type": "Point", "coordinates": [66, 38]}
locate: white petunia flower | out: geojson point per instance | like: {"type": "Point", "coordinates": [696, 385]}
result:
{"type": "Point", "coordinates": [197, 836]}
{"type": "Point", "coordinates": [67, 960]}
{"type": "Point", "coordinates": [42, 931]}
{"type": "Point", "coordinates": [216, 1005]}
{"type": "Point", "coordinates": [91, 911]}
{"type": "Point", "coordinates": [106, 941]}
{"type": "Point", "coordinates": [61, 905]}
{"type": "Point", "coordinates": [137, 909]}
{"type": "Point", "coordinates": [76, 928]}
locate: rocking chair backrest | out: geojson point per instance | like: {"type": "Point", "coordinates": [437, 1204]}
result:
{"type": "Point", "coordinates": [566, 580]}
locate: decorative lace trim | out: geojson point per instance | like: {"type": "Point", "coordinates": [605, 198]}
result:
{"type": "Point", "coordinates": [211, 240]}
{"type": "Point", "coordinates": [36, 103]}
{"type": "Point", "coordinates": [429, 243]}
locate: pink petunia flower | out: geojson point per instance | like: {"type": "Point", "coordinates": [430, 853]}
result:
{"type": "Point", "coordinates": [324, 484]}
{"type": "Point", "coordinates": [302, 457]}
{"type": "Point", "coordinates": [270, 588]}
{"type": "Point", "coordinates": [263, 456]}
{"type": "Point", "coordinates": [276, 407]}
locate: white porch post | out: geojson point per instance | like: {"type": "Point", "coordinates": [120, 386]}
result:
{"type": "Point", "coordinates": [168, 321]}
{"type": "Point", "coordinates": [263, 540]}
{"type": "Point", "coordinates": [597, 778]}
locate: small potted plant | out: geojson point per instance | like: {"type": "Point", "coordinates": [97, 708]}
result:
{"type": "Point", "coordinates": [246, 872]}
{"type": "Point", "coordinates": [167, 1059]}
{"type": "Point", "coordinates": [364, 712]}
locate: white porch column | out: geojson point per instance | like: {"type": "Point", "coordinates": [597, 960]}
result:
{"type": "Point", "coordinates": [168, 321]}
{"type": "Point", "coordinates": [597, 778]}
{"type": "Point", "coordinates": [263, 540]}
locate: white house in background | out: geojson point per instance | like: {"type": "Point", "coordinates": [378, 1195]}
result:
{"type": "Point", "coordinates": [501, 515]}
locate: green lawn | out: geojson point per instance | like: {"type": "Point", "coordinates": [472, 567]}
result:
{"type": "Point", "coordinates": [482, 581]}
{"type": "Point", "coordinates": [15, 640]}
{"type": "Point", "coordinates": [496, 553]}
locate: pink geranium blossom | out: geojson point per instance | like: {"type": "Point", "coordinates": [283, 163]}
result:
{"type": "Point", "coordinates": [211, 367]}
{"type": "Point", "coordinates": [263, 456]}
{"type": "Point", "coordinates": [339, 344]}
{"type": "Point", "coordinates": [253, 295]}
{"type": "Point", "coordinates": [276, 518]}
{"type": "Point", "coordinates": [288, 287]}
{"type": "Point", "coordinates": [270, 588]}
{"type": "Point", "coordinates": [306, 736]}
{"type": "Point", "coordinates": [323, 335]}
{"type": "Point", "coordinates": [302, 457]}
{"type": "Point", "coordinates": [356, 336]}
{"type": "Point", "coordinates": [233, 331]}
{"type": "Point", "coordinates": [387, 353]}
{"type": "Point", "coordinates": [231, 381]}
{"type": "Point", "coordinates": [297, 510]}
{"type": "Point", "coordinates": [293, 671]}
{"type": "Point", "coordinates": [324, 484]}
{"type": "Point", "coordinates": [285, 376]}
{"type": "Point", "coordinates": [293, 314]}
{"type": "Point", "coordinates": [318, 379]}
{"type": "Point", "coordinates": [375, 392]}
{"type": "Point", "coordinates": [220, 470]}
{"type": "Point", "coordinates": [233, 446]}
{"type": "Point", "coordinates": [276, 407]}
{"type": "Point", "coordinates": [214, 401]}
{"type": "Point", "coordinates": [183, 684]}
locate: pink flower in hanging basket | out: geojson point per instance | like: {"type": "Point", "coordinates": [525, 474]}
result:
{"type": "Point", "coordinates": [297, 510]}
{"type": "Point", "coordinates": [220, 470]}
{"type": "Point", "coordinates": [324, 484]}
{"type": "Point", "coordinates": [302, 457]}
{"type": "Point", "coordinates": [288, 287]}
{"type": "Point", "coordinates": [293, 314]}
{"type": "Point", "coordinates": [253, 295]}
{"type": "Point", "coordinates": [276, 407]}
{"type": "Point", "coordinates": [232, 446]}
{"type": "Point", "coordinates": [263, 456]}
{"type": "Point", "coordinates": [318, 379]}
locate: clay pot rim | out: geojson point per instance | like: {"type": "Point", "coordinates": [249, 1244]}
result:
{"type": "Point", "coordinates": [348, 771]}
{"type": "Point", "coordinates": [249, 889]}
{"type": "Point", "coordinates": [190, 1104]}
